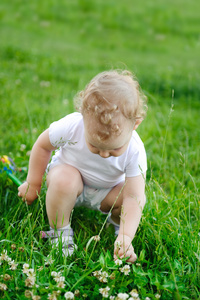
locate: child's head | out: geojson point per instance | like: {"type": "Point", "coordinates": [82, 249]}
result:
{"type": "Point", "coordinates": [111, 101]}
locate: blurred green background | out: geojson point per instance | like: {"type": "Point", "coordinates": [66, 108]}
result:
{"type": "Point", "coordinates": [49, 50]}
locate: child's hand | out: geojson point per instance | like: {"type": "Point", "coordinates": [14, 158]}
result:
{"type": "Point", "coordinates": [28, 192]}
{"type": "Point", "coordinates": [123, 248]}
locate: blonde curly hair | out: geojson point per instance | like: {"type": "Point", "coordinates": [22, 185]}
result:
{"type": "Point", "coordinates": [109, 95]}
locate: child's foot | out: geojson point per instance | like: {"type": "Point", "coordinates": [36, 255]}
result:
{"type": "Point", "coordinates": [65, 235]}
{"type": "Point", "coordinates": [116, 226]}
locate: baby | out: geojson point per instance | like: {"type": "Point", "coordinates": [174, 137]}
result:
{"type": "Point", "coordinates": [100, 161]}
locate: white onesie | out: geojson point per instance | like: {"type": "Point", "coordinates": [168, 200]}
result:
{"type": "Point", "coordinates": [100, 173]}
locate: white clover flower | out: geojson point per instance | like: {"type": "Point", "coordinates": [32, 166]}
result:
{"type": "Point", "coordinates": [3, 287]}
{"type": "Point", "coordinates": [157, 296]}
{"type": "Point", "coordinates": [103, 277]}
{"type": "Point", "coordinates": [118, 244]}
{"type": "Point", "coordinates": [97, 238]}
{"type": "Point", "coordinates": [126, 269]}
{"type": "Point", "coordinates": [58, 277]}
{"type": "Point", "coordinates": [134, 293]}
{"type": "Point", "coordinates": [28, 294]}
{"type": "Point", "coordinates": [147, 298]}
{"type": "Point", "coordinates": [35, 297]}
{"type": "Point", "coordinates": [30, 272]}
{"type": "Point", "coordinates": [118, 262]}
{"type": "Point", "coordinates": [54, 274]}
{"type": "Point", "coordinates": [52, 296]}
{"type": "Point", "coordinates": [138, 265]}
{"type": "Point", "coordinates": [13, 265]}
{"type": "Point", "coordinates": [69, 296]}
{"type": "Point", "coordinates": [49, 261]}
{"type": "Point", "coordinates": [112, 297]}
{"type": "Point", "coordinates": [30, 282]}
{"type": "Point", "coordinates": [61, 285]}
{"type": "Point", "coordinates": [122, 296]}
{"type": "Point", "coordinates": [104, 291]}
{"type": "Point", "coordinates": [25, 268]}
{"type": "Point", "coordinates": [97, 273]}
{"type": "Point", "coordinates": [4, 256]}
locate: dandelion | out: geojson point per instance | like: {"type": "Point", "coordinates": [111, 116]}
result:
{"type": "Point", "coordinates": [157, 296]}
{"type": "Point", "coordinates": [3, 287]}
{"type": "Point", "coordinates": [126, 269]}
{"type": "Point", "coordinates": [122, 296]}
{"type": "Point", "coordinates": [69, 296]}
{"type": "Point", "coordinates": [104, 291]}
{"type": "Point", "coordinates": [118, 262]}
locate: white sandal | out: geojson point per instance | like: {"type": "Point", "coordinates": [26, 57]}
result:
{"type": "Point", "coordinates": [63, 235]}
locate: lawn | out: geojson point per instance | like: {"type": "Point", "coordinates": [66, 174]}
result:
{"type": "Point", "coordinates": [49, 50]}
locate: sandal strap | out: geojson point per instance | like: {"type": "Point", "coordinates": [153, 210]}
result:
{"type": "Point", "coordinates": [56, 233]}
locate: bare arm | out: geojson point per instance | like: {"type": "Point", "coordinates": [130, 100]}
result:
{"type": "Point", "coordinates": [40, 156]}
{"type": "Point", "coordinates": [133, 203]}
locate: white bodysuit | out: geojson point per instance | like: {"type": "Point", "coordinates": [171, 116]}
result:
{"type": "Point", "coordinates": [100, 173]}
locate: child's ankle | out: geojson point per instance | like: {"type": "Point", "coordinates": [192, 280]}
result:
{"type": "Point", "coordinates": [62, 228]}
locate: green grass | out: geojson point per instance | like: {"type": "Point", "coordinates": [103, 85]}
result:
{"type": "Point", "coordinates": [49, 50]}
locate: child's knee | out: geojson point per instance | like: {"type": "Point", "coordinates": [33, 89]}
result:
{"type": "Point", "coordinates": [64, 178]}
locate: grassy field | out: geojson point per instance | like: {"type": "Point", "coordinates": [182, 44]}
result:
{"type": "Point", "coordinates": [49, 50]}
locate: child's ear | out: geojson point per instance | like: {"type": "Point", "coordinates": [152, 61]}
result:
{"type": "Point", "coordinates": [137, 123]}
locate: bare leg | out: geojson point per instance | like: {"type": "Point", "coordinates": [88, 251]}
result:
{"type": "Point", "coordinates": [64, 184]}
{"type": "Point", "coordinates": [107, 203]}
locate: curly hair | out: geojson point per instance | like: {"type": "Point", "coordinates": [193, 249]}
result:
{"type": "Point", "coordinates": [109, 95]}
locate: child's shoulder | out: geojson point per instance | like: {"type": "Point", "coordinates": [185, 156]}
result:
{"type": "Point", "coordinates": [135, 137]}
{"type": "Point", "coordinates": [75, 116]}
{"type": "Point", "coordinates": [136, 144]}
{"type": "Point", "coordinates": [70, 119]}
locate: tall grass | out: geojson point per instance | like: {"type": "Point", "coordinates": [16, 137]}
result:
{"type": "Point", "coordinates": [51, 49]}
